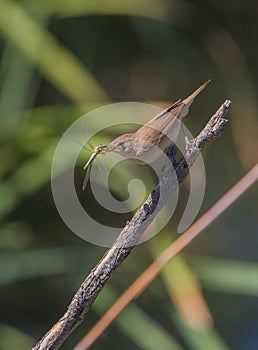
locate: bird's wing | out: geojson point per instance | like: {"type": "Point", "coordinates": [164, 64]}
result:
{"type": "Point", "coordinates": [164, 112]}
{"type": "Point", "coordinates": [160, 125]}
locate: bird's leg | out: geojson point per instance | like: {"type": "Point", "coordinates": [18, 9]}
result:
{"type": "Point", "coordinates": [188, 143]}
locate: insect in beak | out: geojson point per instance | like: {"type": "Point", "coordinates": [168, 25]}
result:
{"type": "Point", "coordinates": [93, 156]}
{"type": "Point", "coordinates": [97, 150]}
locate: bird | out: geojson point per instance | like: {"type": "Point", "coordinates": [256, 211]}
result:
{"type": "Point", "coordinates": [160, 132]}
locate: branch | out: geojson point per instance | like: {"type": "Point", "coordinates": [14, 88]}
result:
{"type": "Point", "coordinates": [132, 233]}
{"type": "Point", "coordinates": [151, 272]}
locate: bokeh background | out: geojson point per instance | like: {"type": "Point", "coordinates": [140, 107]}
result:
{"type": "Point", "coordinates": [61, 59]}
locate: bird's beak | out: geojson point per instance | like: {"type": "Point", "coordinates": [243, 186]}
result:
{"type": "Point", "coordinates": [189, 100]}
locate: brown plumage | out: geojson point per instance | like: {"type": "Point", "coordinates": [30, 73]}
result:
{"type": "Point", "coordinates": [140, 144]}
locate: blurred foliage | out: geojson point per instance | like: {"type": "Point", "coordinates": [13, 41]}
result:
{"type": "Point", "coordinates": [62, 59]}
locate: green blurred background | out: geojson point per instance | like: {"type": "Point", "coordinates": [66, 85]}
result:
{"type": "Point", "coordinates": [61, 59]}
